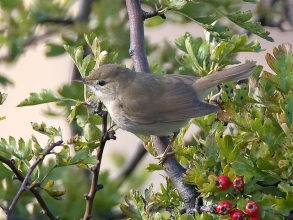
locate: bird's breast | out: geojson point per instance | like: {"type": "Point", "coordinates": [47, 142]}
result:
{"type": "Point", "coordinates": [124, 121]}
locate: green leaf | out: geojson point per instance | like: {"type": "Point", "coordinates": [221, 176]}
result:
{"type": "Point", "coordinates": [173, 4]}
{"type": "Point", "coordinates": [21, 150]}
{"type": "Point", "coordinates": [281, 64]}
{"type": "Point", "coordinates": [242, 19]}
{"type": "Point", "coordinates": [10, 4]}
{"type": "Point", "coordinates": [3, 97]}
{"type": "Point", "coordinates": [243, 168]}
{"type": "Point", "coordinates": [288, 108]}
{"type": "Point", "coordinates": [56, 194]}
{"type": "Point", "coordinates": [54, 50]}
{"type": "Point", "coordinates": [4, 81]}
{"type": "Point", "coordinates": [43, 129]}
{"type": "Point", "coordinates": [152, 167]}
{"type": "Point", "coordinates": [91, 160]}
{"type": "Point", "coordinates": [91, 132]}
{"type": "Point", "coordinates": [226, 147]}
{"type": "Point", "coordinates": [268, 131]}
{"type": "Point", "coordinates": [221, 51]}
{"type": "Point", "coordinates": [45, 96]}
{"type": "Point", "coordinates": [80, 156]}
{"type": "Point", "coordinates": [284, 205]}
{"type": "Point", "coordinates": [88, 63]}
{"type": "Point", "coordinates": [63, 157]}
{"type": "Point", "coordinates": [210, 25]}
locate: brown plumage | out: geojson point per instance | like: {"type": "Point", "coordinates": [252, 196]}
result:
{"type": "Point", "coordinates": [151, 104]}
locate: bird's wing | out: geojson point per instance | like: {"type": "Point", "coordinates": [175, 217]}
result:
{"type": "Point", "coordinates": [164, 98]}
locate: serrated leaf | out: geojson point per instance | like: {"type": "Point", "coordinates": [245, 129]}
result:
{"type": "Point", "coordinates": [288, 108]}
{"type": "Point", "coordinates": [226, 147]}
{"type": "Point", "coordinates": [281, 64]}
{"type": "Point", "coordinates": [284, 205]}
{"type": "Point", "coordinates": [221, 51]}
{"type": "Point", "coordinates": [4, 147]}
{"type": "Point", "coordinates": [43, 129]}
{"type": "Point", "coordinates": [209, 24]}
{"type": "Point", "coordinates": [45, 96]}
{"type": "Point", "coordinates": [267, 131]}
{"type": "Point", "coordinates": [242, 20]}
{"type": "Point", "coordinates": [243, 168]}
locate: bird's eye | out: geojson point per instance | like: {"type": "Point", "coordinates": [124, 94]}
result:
{"type": "Point", "coordinates": [101, 82]}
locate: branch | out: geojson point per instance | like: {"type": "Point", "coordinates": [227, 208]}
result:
{"type": "Point", "coordinates": [106, 135]}
{"type": "Point", "coordinates": [25, 182]}
{"type": "Point", "coordinates": [137, 51]}
{"type": "Point", "coordinates": [31, 40]}
{"type": "Point", "coordinates": [57, 21]}
{"type": "Point", "coordinates": [157, 12]}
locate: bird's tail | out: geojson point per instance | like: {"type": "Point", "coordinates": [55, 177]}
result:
{"type": "Point", "coordinates": [203, 86]}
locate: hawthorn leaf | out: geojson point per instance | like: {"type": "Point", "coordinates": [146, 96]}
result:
{"type": "Point", "coordinates": [45, 96]}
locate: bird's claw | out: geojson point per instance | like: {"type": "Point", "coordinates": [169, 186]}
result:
{"type": "Point", "coordinates": [162, 157]}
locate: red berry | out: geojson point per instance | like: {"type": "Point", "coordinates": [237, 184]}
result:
{"type": "Point", "coordinates": [238, 183]}
{"type": "Point", "coordinates": [224, 208]}
{"type": "Point", "coordinates": [237, 214]}
{"type": "Point", "coordinates": [223, 182]}
{"type": "Point", "coordinates": [252, 208]}
{"type": "Point", "coordinates": [254, 218]}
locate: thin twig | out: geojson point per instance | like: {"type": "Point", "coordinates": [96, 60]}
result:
{"type": "Point", "coordinates": [19, 176]}
{"type": "Point", "coordinates": [106, 135]}
{"type": "Point", "coordinates": [137, 51]}
{"type": "Point", "coordinates": [156, 12]}
{"type": "Point", "coordinates": [57, 21]}
{"type": "Point", "coordinates": [31, 40]}
{"type": "Point", "coordinates": [25, 182]}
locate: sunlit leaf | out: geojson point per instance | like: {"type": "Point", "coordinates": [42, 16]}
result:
{"type": "Point", "coordinates": [45, 96]}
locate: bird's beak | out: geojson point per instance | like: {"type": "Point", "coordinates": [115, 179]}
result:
{"type": "Point", "coordinates": [80, 80]}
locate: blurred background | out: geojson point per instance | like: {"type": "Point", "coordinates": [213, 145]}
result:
{"type": "Point", "coordinates": [33, 70]}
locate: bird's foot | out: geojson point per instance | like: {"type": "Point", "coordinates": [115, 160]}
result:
{"type": "Point", "coordinates": [162, 157]}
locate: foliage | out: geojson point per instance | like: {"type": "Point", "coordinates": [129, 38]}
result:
{"type": "Point", "coordinates": [260, 149]}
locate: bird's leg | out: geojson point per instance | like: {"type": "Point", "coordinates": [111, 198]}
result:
{"type": "Point", "coordinates": [162, 157]}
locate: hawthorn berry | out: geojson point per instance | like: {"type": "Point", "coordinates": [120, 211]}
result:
{"type": "Point", "coordinates": [238, 183]}
{"type": "Point", "coordinates": [252, 208]}
{"type": "Point", "coordinates": [237, 214]}
{"type": "Point", "coordinates": [223, 182]}
{"type": "Point", "coordinates": [224, 208]}
{"type": "Point", "coordinates": [254, 218]}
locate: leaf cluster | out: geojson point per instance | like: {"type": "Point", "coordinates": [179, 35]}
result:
{"type": "Point", "coordinates": [259, 148]}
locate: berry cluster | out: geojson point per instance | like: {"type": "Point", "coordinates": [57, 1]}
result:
{"type": "Point", "coordinates": [225, 207]}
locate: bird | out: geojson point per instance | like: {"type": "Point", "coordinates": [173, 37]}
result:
{"type": "Point", "coordinates": [157, 104]}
